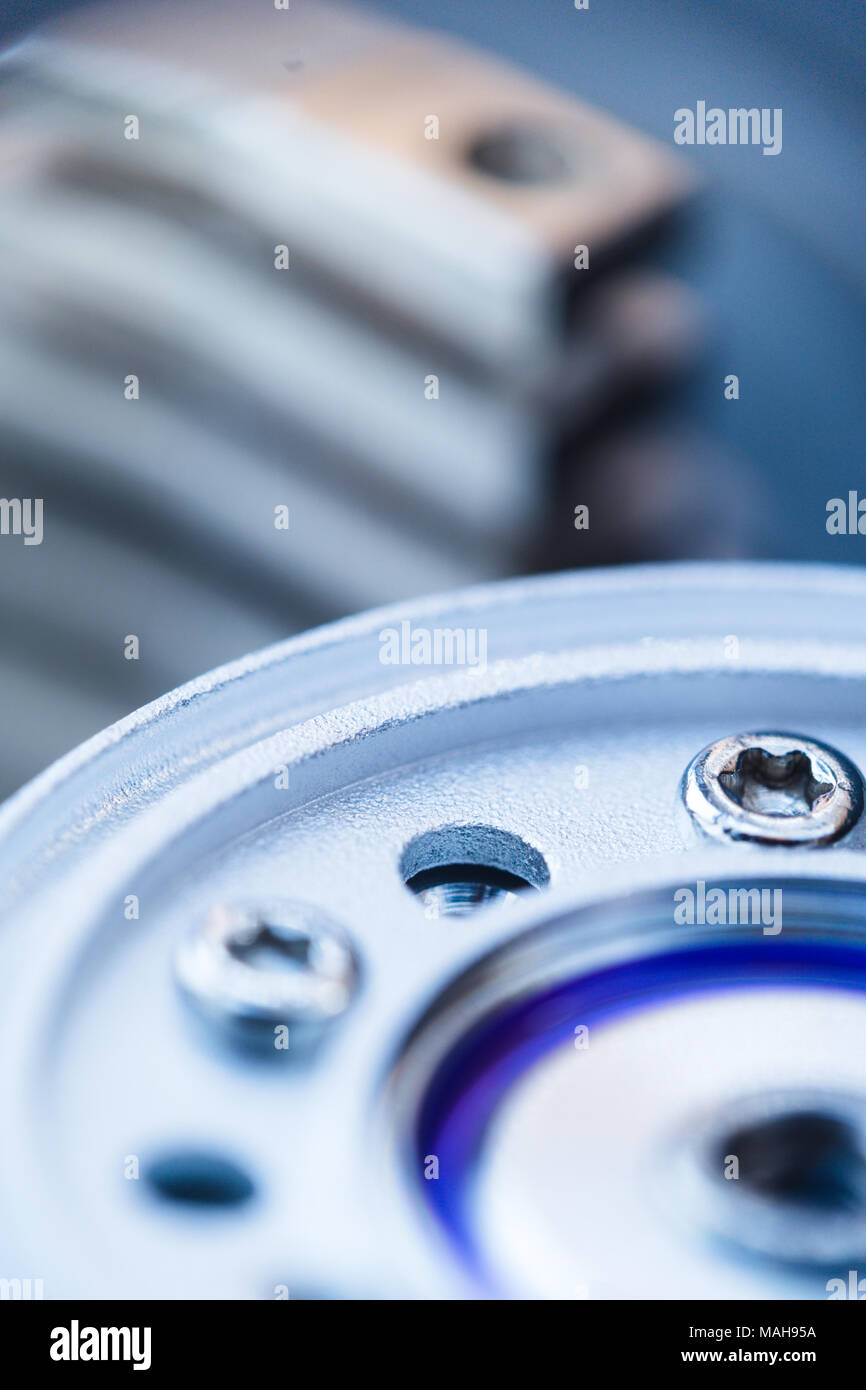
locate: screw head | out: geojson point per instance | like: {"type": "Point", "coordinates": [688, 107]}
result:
{"type": "Point", "coordinates": [252, 968]}
{"type": "Point", "coordinates": [773, 788]}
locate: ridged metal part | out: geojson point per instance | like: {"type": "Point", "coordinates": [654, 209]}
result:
{"type": "Point", "coordinates": [269, 355]}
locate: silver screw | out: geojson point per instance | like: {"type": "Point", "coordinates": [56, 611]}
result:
{"type": "Point", "coordinates": [253, 969]}
{"type": "Point", "coordinates": [773, 788]}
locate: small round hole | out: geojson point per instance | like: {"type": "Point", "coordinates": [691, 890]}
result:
{"type": "Point", "coordinates": [805, 1158]}
{"type": "Point", "coordinates": [199, 1179]}
{"type": "Point", "coordinates": [456, 869]}
{"type": "Point", "coordinates": [520, 153]}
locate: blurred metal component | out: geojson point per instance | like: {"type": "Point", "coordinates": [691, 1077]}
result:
{"type": "Point", "coordinates": [647, 483]}
{"type": "Point", "coordinates": [455, 869]}
{"type": "Point", "coordinates": [774, 789]}
{"type": "Point", "coordinates": [290, 328]}
{"type": "Point", "coordinates": [255, 971]}
{"type": "Point", "coordinates": [404, 260]}
{"type": "Point", "coordinates": [557, 761]}
{"type": "Point", "coordinates": [352, 127]}
{"type": "Point", "coordinates": [381, 225]}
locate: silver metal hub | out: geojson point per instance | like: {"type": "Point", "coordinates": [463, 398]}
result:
{"type": "Point", "coordinates": [423, 1152]}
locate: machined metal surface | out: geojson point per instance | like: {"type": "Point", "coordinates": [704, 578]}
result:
{"type": "Point", "coordinates": [441, 1143]}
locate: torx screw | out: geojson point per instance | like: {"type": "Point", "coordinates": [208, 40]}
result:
{"type": "Point", "coordinates": [251, 969]}
{"type": "Point", "coordinates": [773, 788]}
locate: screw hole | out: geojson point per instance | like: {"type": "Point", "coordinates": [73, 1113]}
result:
{"type": "Point", "coordinates": [198, 1179]}
{"type": "Point", "coordinates": [524, 154]}
{"type": "Point", "coordinates": [458, 868]}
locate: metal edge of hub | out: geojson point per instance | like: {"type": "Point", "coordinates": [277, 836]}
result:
{"type": "Point", "coordinates": [103, 780]}
{"type": "Point", "coordinates": [96, 818]}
